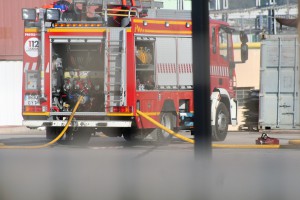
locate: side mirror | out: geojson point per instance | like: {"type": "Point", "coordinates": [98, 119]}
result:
{"type": "Point", "coordinates": [244, 52]}
{"type": "Point", "coordinates": [243, 37]}
{"type": "Point", "coordinates": [244, 46]}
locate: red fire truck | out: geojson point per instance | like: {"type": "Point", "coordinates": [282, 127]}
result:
{"type": "Point", "coordinates": [121, 57]}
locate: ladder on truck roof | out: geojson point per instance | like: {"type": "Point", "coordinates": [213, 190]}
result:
{"type": "Point", "coordinates": [115, 63]}
{"type": "Point", "coordinates": [133, 3]}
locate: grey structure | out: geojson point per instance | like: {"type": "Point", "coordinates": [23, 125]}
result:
{"type": "Point", "coordinates": [279, 83]}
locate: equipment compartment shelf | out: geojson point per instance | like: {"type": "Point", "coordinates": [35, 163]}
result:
{"type": "Point", "coordinates": [145, 67]}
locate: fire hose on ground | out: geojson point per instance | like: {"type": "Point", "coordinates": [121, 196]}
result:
{"type": "Point", "coordinates": [55, 139]}
{"type": "Point", "coordinates": [225, 146]}
{"type": "Point", "coordinates": [189, 140]}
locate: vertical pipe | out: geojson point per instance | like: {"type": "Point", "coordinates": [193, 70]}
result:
{"type": "Point", "coordinates": [294, 84]}
{"type": "Point", "coordinates": [274, 22]}
{"type": "Point", "coordinates": [180, 4]}
{"type": "Point", "coordinates": [262, 73]}
{"type": "Point", "coordinates": [177, 65]}
{"type": "Point", "coordinates": [288, 8]}
{"type": "Point", "coordinates": [123, 64]}
{"type": "Point", "coordinates": [43, 32]}
{"type": "Point", "coordinates": [133, 3]}
{"type": "Point", "coordinates": [201, 78]}
{"type": "Point", "coordinates": [104, 8]}
{"type": "Point", "coordinates": [106, 71]}
{"type": "Point", "coordinates": [269, 22]}
{"type": "Point", "coordinates": [217, 5]}
{"type": "Point", "coordinates": [298, 69]}
{"type": "Point", "coordinates": [278, 79]}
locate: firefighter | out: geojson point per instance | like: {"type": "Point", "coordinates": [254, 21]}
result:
{"type": "Point", "coordinates": [58, 74]}
{"type": "Point", "coordinates": [150, 84]}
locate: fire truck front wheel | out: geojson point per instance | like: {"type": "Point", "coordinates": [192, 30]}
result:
{"type": "Point", "coordinates": [167, 120]}
{"type": "Point", "coordinates": [219, 130]}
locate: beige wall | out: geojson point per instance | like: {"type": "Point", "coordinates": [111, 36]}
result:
{"type": "Point", "coordinates": [247, 74]}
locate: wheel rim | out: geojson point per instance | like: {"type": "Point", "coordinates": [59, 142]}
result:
{"type": "Point", "coordinates": [222, 122]}
{"type": "Point", "coordinates": [166, 121]}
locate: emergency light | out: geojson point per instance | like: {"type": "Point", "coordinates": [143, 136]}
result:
{"type": "Point", "coordinates": [52, 14]}
{"type": "Point", "coordinates": [62, 7]}
{"type": "Point", "coordinates": [28, 14]}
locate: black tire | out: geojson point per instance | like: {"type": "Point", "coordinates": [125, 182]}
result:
{"type": "Point", "coordinates": [133, 134]}
{"type": "Point", "coordinates": [53, 132]}
{"type": "Point", "coordinates": [77, 136]}
{"type": "Point", "coordinates": [50, 135]}
{"type": "Point", "coordinates": [82, 136]}
{"type": "Point", "coordinates": [219, 130]}
{"type": "Point", "coordinates": [112, 132]}
{"type": "Point", "coordinates": [167, 120]}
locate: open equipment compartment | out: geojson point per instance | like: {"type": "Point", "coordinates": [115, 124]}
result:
{"type": "Point", "coordinates": [77, 69]}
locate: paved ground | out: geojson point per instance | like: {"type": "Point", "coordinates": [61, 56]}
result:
{"type": "Point", "coordinates": [110, 169]}
{"type": "Point", "coordinates": [18, 130]}
{"type": "Point", "coordinates": [233, 137]}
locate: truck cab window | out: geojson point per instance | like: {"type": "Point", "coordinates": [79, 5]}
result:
{"type": "Point", "coordinates": [213, 40]}
{"type": "Point", "coordinates": [223, 43]}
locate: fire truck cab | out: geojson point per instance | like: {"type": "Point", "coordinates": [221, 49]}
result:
{"type": "Point", "coordinates": [121, 57]}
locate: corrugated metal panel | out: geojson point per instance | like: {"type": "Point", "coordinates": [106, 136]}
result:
{"type": "Point", "coordinates": [11, 93]}
{"type": "Point", "coordinates": [11, 26]}
{"type": "Point", "coordinates": [278, 103]}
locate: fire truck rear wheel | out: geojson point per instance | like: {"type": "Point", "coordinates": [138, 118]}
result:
{"type": "Point", "coordinates": [219, 130]}
{"type": "Point", "coordinates": [52, 132]}
{"type": "Point", "coordinates": [77, 136]}
{"type": "Point", "coordinates": [167, 120]}
{"type": "Point", "coordinates": [112, 132]}
{"type": "Point", "coordinates": [81, 136]}
{"type": "Point", "coordinates": [133, 134]}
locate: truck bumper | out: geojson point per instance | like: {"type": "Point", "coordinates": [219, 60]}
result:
{"type": "Point", "coordinates": [76, 123]}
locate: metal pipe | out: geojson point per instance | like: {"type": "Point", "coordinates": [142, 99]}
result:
{"type": "Point", "coordinates": [180, 4]}
{"type": "Point", "coordinates": [274, 22]}
{"type": "Point", "coordinates": [295, 76]}
{"type": "Point", "coordinates": [278, 79]}
{"type": "Point", "coordinates": [43, 32]}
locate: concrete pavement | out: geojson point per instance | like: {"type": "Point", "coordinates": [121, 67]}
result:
{"type": "Point", "coordinates": [19, 130]}
{"type": "Point", "coordinates": [233, 137]}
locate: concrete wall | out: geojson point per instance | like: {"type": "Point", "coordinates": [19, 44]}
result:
{"type": "Point", "coordinates": [11, 93]}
